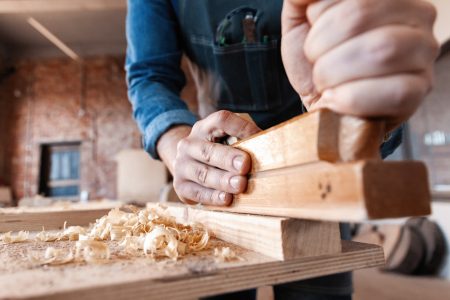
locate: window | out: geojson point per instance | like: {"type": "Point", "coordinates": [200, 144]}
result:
{"type": "Point", "coordinates": [60, 170]}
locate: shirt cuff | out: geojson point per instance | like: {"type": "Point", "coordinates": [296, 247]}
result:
{"type": "Point", "coordinates": [161, 124]}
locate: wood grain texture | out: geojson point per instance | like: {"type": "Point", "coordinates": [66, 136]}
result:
{"type": "Point", "coordinates": [321, 135]}
{"type": "Point", "coordinates": [279, 238]}
{"type": "Point", "coordinates": [33, 219]}
{"type": "Point", "coordinates": [337, 192]}
{"type": "Point", "coordinates": [190, 278]}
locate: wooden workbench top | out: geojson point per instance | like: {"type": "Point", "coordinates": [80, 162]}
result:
{"type": "Point", "coordinates": [188, 278]}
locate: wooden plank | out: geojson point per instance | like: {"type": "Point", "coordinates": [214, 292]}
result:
{"type": "Point", "coordinates": [337, 192]}
{"type": "Point", "coordinates": [279, 238]}
{"type": "Point", "coordinates": [190, 278]}
{"type": "Point", "coordinates": [16, 219]}
{"type": "Point", "coordinates": [38, 6]}
{"type": "Point", "coordinates": [320, 135]}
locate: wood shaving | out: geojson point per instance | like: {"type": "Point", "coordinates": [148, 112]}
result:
{"type": "Point", "coordinates": [225, 254]}
{"type": "Point", "coordinates": [151, 232]}
{"type": "Point", "coordinates": [44, 236]}
{"type": "Point", "coordinates": [93, 251]}
{"type": "Point", "coordinates": [52, 256]}
{"type": "Point", "coordinates": [9, 238]}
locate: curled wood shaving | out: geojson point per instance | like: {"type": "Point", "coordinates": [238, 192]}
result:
{"type": "Point", "coordinates": [52, 256]}
{"type": "Point", "coordinates": [160, 241]}
{"type": "Point", "coordinates": [44, 236]}
{"type": "Point", "coordinates": [21, 236]}
{"type": "Point", "coordinates": [93, 251]}
{"type": "Point", "coordinates": [72, 233]}
{"type": "Point", "coordinates": [225, 254]}
{"type": "Point", "coordinates": [151, 232]}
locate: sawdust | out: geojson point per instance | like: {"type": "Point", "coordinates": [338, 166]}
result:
{"type": "Point", "coordinates": [15, 257]}
{"type": "Point", "coordinates": [149, 232]}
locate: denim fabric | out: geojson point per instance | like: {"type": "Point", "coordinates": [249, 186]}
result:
{"type": "Point", "coordinates": [155, 79]}
{"type": "Point", "coordinates": [248, 77]}
{"type": "Point", "coordinates": [154, 76]}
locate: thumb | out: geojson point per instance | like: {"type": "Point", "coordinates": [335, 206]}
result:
{"type": "Point", "coordinates": [295, 28]}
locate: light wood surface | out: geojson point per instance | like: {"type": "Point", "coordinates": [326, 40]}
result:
{"type": "Point", "coordinates": [53, 217]}
{"type": "Point", "coordinates": [311, 137]}
{"type": "Point", "coordinates": [189, 278]}
{"type": "Point", "coordinates": [279, 238]}
{"type": "Point", "coordinates": [36, 6]}
{"type": "Point", "coordinates": [337, 192]}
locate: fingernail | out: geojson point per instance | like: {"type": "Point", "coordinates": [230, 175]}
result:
{"type": "Point", "coordinates": [222, 196]}
{"type": "Point", "coordinates": [238, 161]}
{"type": "Point", "coordinates": [234, 182]}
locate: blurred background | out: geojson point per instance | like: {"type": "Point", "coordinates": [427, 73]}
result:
{"type": "Point", "coordinates": [67, 133]}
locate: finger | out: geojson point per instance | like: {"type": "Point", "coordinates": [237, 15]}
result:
{"type": "Point", "coordinates": [295, 29]}
{"type": "Point", "coordinates": [316, 9]}
{"type": "Point", "coordinates": [393, 97]}
{"type": "Point", "coordinates": [224, 123]}
{"type": "Point", "coordinates": [379, 52]}
{"type": "Point", "coordinates": [217, 155]}
{"type": "Point", "coordinates": [189, 192]}
{"type": "Point", "coordinates": [214, 178]}
{"type": "Point", "coordinates": [346, 19]}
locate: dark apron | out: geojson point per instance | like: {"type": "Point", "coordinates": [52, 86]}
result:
{"type": "Point", "coordinates": [251, 77]}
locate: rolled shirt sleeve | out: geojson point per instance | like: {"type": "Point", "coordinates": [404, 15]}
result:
{"type": "Point", "coordinates": [154, 76]}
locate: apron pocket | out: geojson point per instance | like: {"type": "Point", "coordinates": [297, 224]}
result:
{"type": "Point", "coordinates": [249, 75]}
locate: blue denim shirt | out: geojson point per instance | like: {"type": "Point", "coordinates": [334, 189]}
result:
{"type": "Point", "coordinates": [155, 79]}
{"type": "Point", "coordinates": [154, 76]}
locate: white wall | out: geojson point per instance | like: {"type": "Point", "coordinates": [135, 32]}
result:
{"type": "Point", "coordinates": [442, 26]}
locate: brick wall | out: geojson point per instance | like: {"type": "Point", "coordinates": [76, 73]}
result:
{"type": "Point", "coordinates": [5, 122]}
{"type": "Point", "coordinates": [58, 100]}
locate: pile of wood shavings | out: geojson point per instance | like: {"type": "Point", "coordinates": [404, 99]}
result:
{"type": "Point", "coordinates": [150, 231]}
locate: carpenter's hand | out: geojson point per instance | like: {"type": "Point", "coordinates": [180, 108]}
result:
{"type": "Point", "coordinates": [207, 172]}
{"type": "Point", "coordinates": [370, 58]}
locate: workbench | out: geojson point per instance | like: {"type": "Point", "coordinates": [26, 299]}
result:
{"type": "Point", "coordinates": [188, 278]}
{"type": "Point", "coordinates": [307, 174]}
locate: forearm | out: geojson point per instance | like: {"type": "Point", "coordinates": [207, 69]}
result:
{"type": "Point", "coordinates": [154, 76]}
{"type": "Point", "coordinates": [167, 144]}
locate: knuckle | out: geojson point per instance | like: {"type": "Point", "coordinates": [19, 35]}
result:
{"type": "Point", "coordinates": [247, 128]}
{"type": "Point", "coordinates": [224, 182]}
{"type": "Point", "coordinates": [222, 116]}
{"type": "Point", "coordinates": [320, 75]}
{"type": "Point", "coordinates": [384, 49]}
{"type": "Point", "coordinates": [207, 150]}
{"type": "Point", "coordinates": [434, 48]}
{"type": "Point", "coordinates": [177, 182]}
{"type": "Point", "coordinates": [201, 173]}
{"type": "Point", "coordinates": [429, 11]}
{"type": "Point", "coordinates": [182, 145]}
{"type": "Point", "coordinates": [197, 125]}
{"type": "Point", "coordinates": [357, 12]}
{"type": "Point", "coordinates": [176, 164]}
{"type": "Point", "coordinates": [404, 100]}
{"type": "Point", "coordinates": [202, 195]}
{"type": "Point", "coordinates": [347, 101]}
{"type": "Point", "coordinates": [178, 187]}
